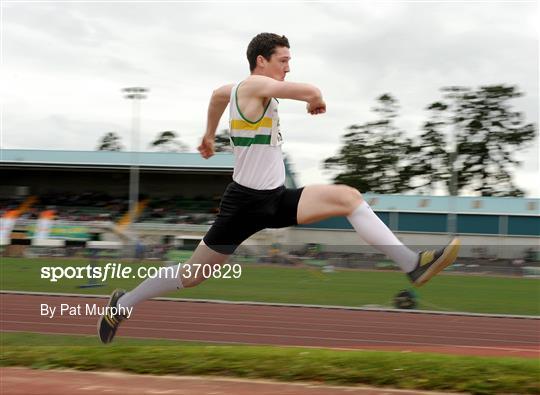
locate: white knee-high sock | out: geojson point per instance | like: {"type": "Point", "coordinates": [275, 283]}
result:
{"type": "Point", "coordinates": [374, 231]}
{"type": "Point", "coordinates": [168, 279]}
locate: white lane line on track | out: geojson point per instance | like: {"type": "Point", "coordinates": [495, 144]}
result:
{"type": "Point", "coordinates": [382, 316]}
{"type": "Point", "coordinates": [212, 320]}
{"type": "Point", "coordinates": [186, 320]}
{"type": "Point", "coordinates": [311, 306]}
{"type": "Point", "coordinates": [461, 326]}
{"type": "Point", "coordinates": [347, 340]}
{"type": "Point", "coordinates": [358, 348]}
{"type": "Point", "coordinates": [365, 329]}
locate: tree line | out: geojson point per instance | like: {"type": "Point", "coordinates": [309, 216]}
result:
{"type": "Point", "coordinates": [469, 143]}
{"type": "Point", "coordinates": [167, 141]}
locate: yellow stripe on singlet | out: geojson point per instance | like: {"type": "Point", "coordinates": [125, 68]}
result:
{"type": "Point", "coordinates": [240, 124]}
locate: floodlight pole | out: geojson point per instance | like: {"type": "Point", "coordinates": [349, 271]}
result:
{"type": "Point", "coordinates": [452, 220]}
{"type": "Point", "coordinates": [135, 94]}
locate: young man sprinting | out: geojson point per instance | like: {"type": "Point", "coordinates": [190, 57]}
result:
{"type": "Point", "coordinates": [257, 198]}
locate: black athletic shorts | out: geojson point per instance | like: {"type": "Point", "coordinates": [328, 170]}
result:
{"type": "Point", "coordinates": [244, 211]}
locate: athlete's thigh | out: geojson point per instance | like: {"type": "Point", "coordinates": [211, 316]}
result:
{"type": "Point", "coordinates": [226, 234]}
{"type": "Point", "coordinates": [319, 202]}
{"type": "Point", "coordinates": [285, 210]}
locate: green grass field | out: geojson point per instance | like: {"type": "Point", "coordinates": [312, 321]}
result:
{"type": "Point", "coordinates": [474, 375]}
{"type": "Point", "coordinates": [447, 292]}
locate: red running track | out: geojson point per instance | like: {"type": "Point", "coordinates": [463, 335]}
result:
{"type": "Point", "coordinates": [287, 326]}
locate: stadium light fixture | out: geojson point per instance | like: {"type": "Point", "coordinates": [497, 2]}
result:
{"type": "Point", "coordinates": [135, 94]}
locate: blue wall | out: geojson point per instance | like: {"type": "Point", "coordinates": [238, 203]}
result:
{"type": "Point", "coordinates": [412, 222]}
{"type": "Point", "coordinates": [438, 223]}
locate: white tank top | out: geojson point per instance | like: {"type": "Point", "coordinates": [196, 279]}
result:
{"type": "Point", "coordinates": [256, 146]}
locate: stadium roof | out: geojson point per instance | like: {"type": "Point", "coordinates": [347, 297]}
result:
{"type": "Point", "coordinates": [224, 162]}
{"type": "Point", "coordinates": [221, 162]}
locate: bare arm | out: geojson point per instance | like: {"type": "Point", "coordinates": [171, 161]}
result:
{"type": "Point", "coordinates": [218, 103]}
{"type": "Point", "coordinates": [260, 86]}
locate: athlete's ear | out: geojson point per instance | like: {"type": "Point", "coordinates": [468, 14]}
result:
{"type": "Point", "coordinates": [261, 61]}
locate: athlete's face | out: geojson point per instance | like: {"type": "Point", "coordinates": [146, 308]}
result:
{"type": "Point", "coordinates": [278, 65]}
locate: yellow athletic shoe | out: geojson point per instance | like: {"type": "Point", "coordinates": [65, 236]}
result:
{"type": "Point", "coordinates": [432, 262]}
{"type": "Point", "coordinates": [108, 323]}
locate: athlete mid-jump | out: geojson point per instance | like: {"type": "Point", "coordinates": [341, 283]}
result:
{"type": "Point", "coordinates": [257, 198]}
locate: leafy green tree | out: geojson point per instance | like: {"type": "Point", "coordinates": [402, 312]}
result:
{"type": "Point", "coordinates": [168, 141]}
{"type": "Point", "coordinates": [110, 142]}
{"type": "Point", "coordinates": [468, 144]}
{"type": "Point", "coordinates": [471, 139]}
{"type": "Point", "coordinates": [431, 160]}
{"type": "Point", "coordinates": [373, 157]}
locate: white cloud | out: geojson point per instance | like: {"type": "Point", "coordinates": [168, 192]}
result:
{"type": "Point", "coordinates": [64, 65]}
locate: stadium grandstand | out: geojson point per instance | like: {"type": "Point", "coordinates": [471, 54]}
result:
{"type": "Point", "coordinates": [180, 193]}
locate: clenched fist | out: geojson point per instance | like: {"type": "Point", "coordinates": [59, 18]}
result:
{"type": "Point", "coordinates": [207, 147]}
{"type": "Point", "coordinates": [316, 107]}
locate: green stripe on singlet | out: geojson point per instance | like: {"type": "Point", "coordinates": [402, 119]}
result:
{"type": "Point", "coordinates": [247, 141]}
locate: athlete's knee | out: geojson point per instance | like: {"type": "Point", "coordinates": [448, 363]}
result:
{"type": "Point", "coordinates": [191, 282]}
{"type": "Point", "coordinates": [350, 197]}
{"type": "Point", "coordinates": [200, 266]}
{"type": "Point", "coordinates": [190, 276]}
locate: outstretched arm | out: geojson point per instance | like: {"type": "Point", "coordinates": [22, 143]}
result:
{"type": "Point", "coordinates": [261, 86]}
{"type": "Point", "coordinates": [218, 104]}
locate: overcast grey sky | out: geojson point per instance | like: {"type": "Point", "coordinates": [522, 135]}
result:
{"type": "Point", "coordinates": [64, 64]}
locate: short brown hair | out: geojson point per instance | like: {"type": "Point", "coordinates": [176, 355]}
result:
{"type": "Point", "coordinates": [264, 44]}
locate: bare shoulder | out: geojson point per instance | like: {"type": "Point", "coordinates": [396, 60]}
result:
{"type": "Point", "coordinates": [255, 84]}
{"type": "Point", "coordinates": [224, 91]}
{"type": "Point", "coordinates": [263, 87]}
{"type": "Point", "coordinates": [258, 86]}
